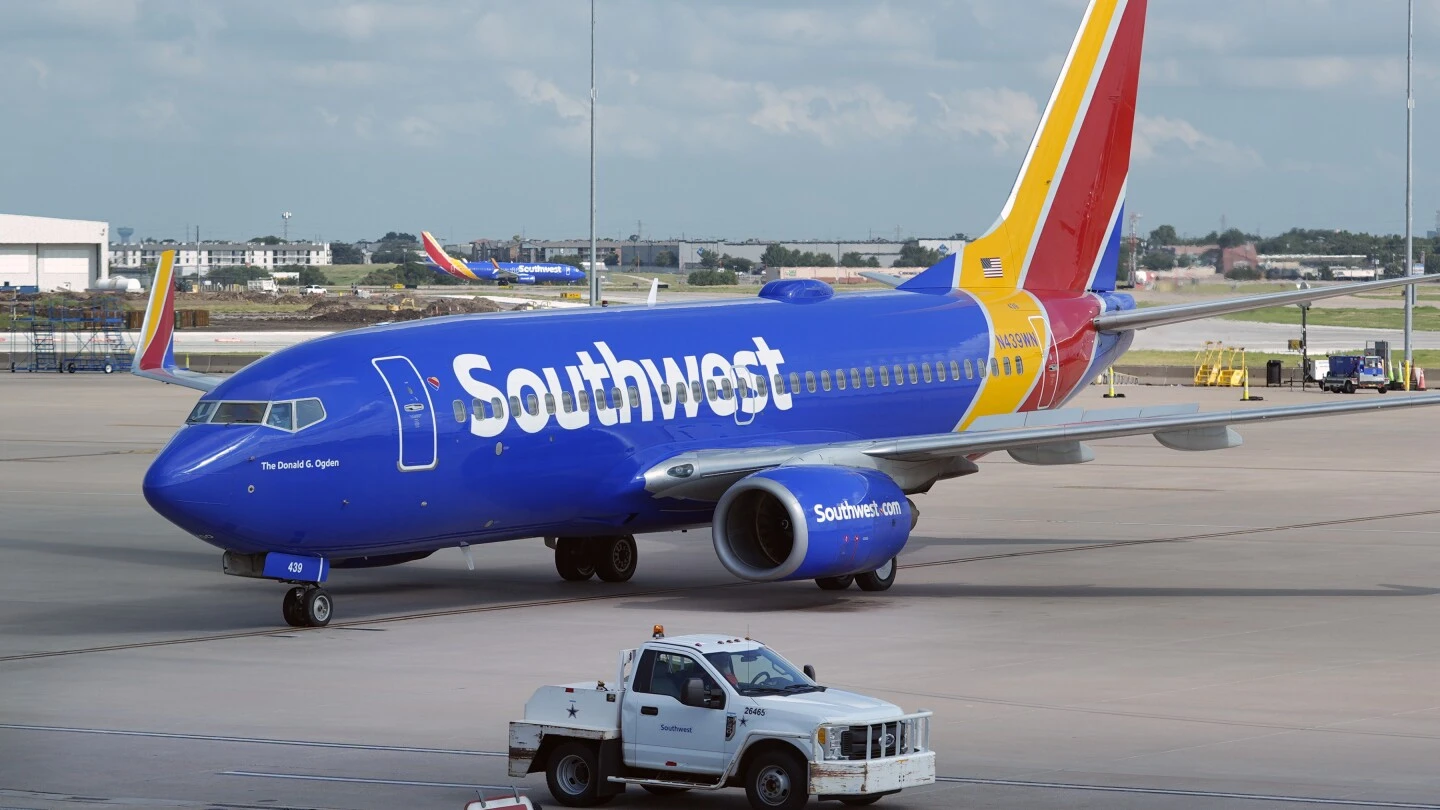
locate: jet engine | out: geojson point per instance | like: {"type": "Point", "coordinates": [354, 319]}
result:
{"type": "Point", "coordinates": [805, 522]}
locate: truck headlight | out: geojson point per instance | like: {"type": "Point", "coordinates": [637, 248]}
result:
{"type": "Point", "coordinates": [829, 739]}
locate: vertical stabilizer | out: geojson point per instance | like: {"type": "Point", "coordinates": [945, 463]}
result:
{"type": "Point", "coordinates": [1058, 229]}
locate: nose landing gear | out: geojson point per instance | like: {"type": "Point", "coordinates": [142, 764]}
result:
{"type": "Point", "coordinates": [307, 606]}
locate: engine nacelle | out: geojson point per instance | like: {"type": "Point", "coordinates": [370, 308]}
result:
{"type": "Point", "coordinates": [800, 522]}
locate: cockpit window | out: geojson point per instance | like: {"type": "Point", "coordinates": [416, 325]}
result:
{"type": "Point", "coordinates": [279, 417]}
{"type": "Point", "coordinates": [239, 413]}
{"type": "Point", "coordinates": [286, 415]}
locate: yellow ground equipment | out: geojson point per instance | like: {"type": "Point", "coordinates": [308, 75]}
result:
{"type": "Point", "coordinates": [1205, 362]}
{"type": "Point", "coordinates": [1232, 373]}
{"type": "Point", "coordinates": [570, 296]}
{"type": "Point", "coordinates": [404, 303]}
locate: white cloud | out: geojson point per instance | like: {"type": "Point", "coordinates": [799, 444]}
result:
{"type": "Point", "coordinates": [831, 115]}
{"type": "Point", "coordinates": [1175, 139]}
{"type": "Point", "coordinates": [1007, 117]}
{"type": "Point", "coordinates": [542, 92]}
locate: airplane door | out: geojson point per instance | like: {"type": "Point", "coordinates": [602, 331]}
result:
{"type": "Point", "coordinates": [747, 397]}
{"type": "Point", "coordinates": [1050, 360]}
{"type": "Point", "coordinates": [414, 412]}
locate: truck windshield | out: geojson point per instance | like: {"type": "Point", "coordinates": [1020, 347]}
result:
{"type": "Point", "coordinates": [760, 671]}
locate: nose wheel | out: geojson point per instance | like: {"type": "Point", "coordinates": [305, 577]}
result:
{"type": "Point", "coordinates": [307, 606]}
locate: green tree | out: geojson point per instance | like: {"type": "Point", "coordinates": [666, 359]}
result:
{"type": "Point", "coordinates": [405, 238]}
{"type": "Point", "coordinates": [1233, 238]}
{"type": "Point", "coordinates": [236, 275]}
{"type": "Point", "coordinates": [411, 274]}
{"type": "Point", "coordinates": [712, 278]}
{"type": "Point", "coordinates": [1158, 260]}
{"type": "Point", "coordinates": [666, 258]}
{"type": "Point", "coordinates": [1164, 235]}
{"type": "Point", "coordinates": [266, 240]}
{"type": "Point", "coordinates": [572, 259]}
{"type": "Point", "coordinates": [852, 259]}
{"type": "Point", "coordinates": [312, 276]}
{"type": "Point", "coordinates": [736, 264]}
{"type": "Point", "coordinates": [912, 255]}
{"type": "Point", "coordinates": [709, 259]}
{"type": "Point", "coordinates": [778, 256]}
{"type": "Point", "coordinates": [346, 253]}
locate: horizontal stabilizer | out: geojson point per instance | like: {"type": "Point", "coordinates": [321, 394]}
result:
{"type": "Point", "coordinates": [882, 278]}
{"type": "Point", "coordinates": [1148, 317]}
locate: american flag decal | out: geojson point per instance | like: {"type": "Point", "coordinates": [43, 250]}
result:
{"type": "Point", "coordinates": [992, 267]}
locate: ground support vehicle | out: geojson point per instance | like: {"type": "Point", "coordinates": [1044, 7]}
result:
{"type": "Point", "coordinates": [704, 712]}
{"type": "Point", "coordinates": [1351, 372]}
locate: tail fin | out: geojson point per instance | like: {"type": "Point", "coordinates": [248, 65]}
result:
{"type": "Point", "coordinates": [444, 261]}
{"type": "Point", "coordinates": [1060, 228]}
{"type": "Point", "coordinates": [155, 355]}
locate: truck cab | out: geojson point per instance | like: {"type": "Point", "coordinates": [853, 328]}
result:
{"type": "Point", "coordinates": [705, 712]}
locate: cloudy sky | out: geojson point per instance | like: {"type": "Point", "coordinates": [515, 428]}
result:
{"type": "Point", "coordinates": [825, 119]}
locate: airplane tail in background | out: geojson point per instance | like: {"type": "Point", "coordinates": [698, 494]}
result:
{"type": "Point", "coordinates": [444, 261]}
{"type": "Point", "coordinates": [155, 352]}
{"type": "Point", "coordinates": [1060, 228]}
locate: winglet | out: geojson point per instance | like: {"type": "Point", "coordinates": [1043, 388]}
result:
{"type": "Point", "coordinates": [654, 289]}
{"type": "Point", "coordinates": [155, 355]}
{"type": "Point", "coordinates": [444, 261]}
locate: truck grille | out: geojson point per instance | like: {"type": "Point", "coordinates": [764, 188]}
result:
{"type": "Point", "coordinates": [882, 740]}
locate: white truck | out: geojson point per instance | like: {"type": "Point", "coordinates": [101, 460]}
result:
{"type": "Point", "coordinates": [704, 712]}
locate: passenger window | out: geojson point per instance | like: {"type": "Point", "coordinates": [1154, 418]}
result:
{"type": "Point", "coordinates": [239, 413]}
{"type": "Point", "coordinates": [600, 403]}
{"type": "Point", "coordinates": [477, 407]}
{"type": "Point", "coordinates": [954, 370]}
{"type": "Point", "coordinates": [514, 405]}
{"type": "Point", "coordinates": [854, 378]}
{"type": "Point", "coordinates": [567, 400]}
{"type": "Point", "coordinates": [780, 383]}
{"type": "Point", "coordinates": [665, 393]}
{"type": "Point", "coordinates": [762, 387]}
{"type": "Point", "coordinates": [726, 389]}
{"type": "Point", "coordinates": [980, 368]}
{"type": "Point", "coordinates": [497, 407]}
{"type": "Point", "coordinates": [532, 404]}
{"type": "Point", "coordinates": [550, 403]}
{"type": "Point", "coordinates": [840, 378]}
{"type": "Point", "coordinates": [201, 413]}
{"type": "Point", "coordinates": [810, 381]}
{"type": "Point", "coordinates": [1007, 366]}
{"type": "Point", "coordinates": [899, 375]}
{"type": "Point", "coordinates": [940, 372]}
{"type": "Point", "coordinates": [914, 375]}
{"type": "Point", "coordinates": [1019, 365]}
{"type": "Point", "coordinates": [710, 388]}
{"type": "Point", "coordinates": [460, 414]}
{"type": "Point", "coordinates": [634, 400]}
{"type": "Point", "coordinates": [794, 383]}
{"type": "Point", "coordinates": [969, 372]}
{"type": "Point", "coordinates": [742, 387]}
{"type": "Point", "coordinates": [925, 372]}
{"type": "Point", "coordinates": [617, 399]}
{"type": "Point", "coordinates": [884, 376]}
{"type": "Point", "coordinates": [280, 414]}
{"type": "Point", "coordinates": [584, 397]}
{"type": "Point", "coordinates": [994, 367]}
{"type": "Point", "coordinates": [825, 380]}
{"type": "Point", "coordinates": [869, 377]}
{"type": "Point", "coordinates": [680, 394]}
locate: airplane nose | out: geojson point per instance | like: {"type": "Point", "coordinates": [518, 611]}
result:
{"type": "Point", "coordinates": [189, 482]}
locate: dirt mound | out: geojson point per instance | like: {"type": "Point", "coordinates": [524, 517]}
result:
{"type": "Point", "coordinates": [356, 316]}
{"type": "Point", "coordinates": [460, 306]}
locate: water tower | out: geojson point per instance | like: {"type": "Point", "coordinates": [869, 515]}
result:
{"type": "Point", "coordinates": [125, 232]}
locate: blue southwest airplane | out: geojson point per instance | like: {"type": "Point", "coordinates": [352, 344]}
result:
{"type": "Point", "coordinates": [797, 424]}
{"type": "Point", "coordinates": [517, 272]}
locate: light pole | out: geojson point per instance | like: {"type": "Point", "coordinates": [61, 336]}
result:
{"type": "Point", "coordinates": [1409, 186]}
{"type": "Point", "coordinates": [594, 273]}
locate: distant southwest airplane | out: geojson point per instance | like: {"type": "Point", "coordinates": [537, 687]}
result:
{"type": "Point", "coordinates": [518, 272]}
{"type": "Point", "coordinates": [796, 424]}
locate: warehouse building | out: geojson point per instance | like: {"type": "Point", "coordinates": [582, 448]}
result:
{"type": "Point", "coordinates": [52, 254]}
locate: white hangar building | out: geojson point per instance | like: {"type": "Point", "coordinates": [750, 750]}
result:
{"type": "Point", "coordinates": [53, 254]}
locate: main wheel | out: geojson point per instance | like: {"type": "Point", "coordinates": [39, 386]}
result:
{"type": "Point", "coordinates": [616, 558]}
{"type": "Point", "coordinates": [777, 780]}
{"type": "Point", "coordinates": [880, 579]}
{"type": "Point", "coordinates": [572, 560]}
{"type": "Point", "coordinates": [293, 607]}
{"type": "Point", "coordinates": [573, 775]}
{"type": "Point", "coordinates": [835, 583]}
{"type": "Point", "coordinates": [317, 607]}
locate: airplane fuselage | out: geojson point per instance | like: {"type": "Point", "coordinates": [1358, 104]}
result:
{"type": "Point", "coordinates": [475, 429]}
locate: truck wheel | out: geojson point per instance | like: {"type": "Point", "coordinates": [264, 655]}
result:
{"type": "Point", "coordinates": [573, 775]}
{"type": "Point", "coordinates": [834, 583]}
{"type": "Point", "coordinates": [1349, 387]}
{"type": "Point", "coordinates": [776, 780]}
{"type": "Point", "coordinates": [616, 558]}
{"type": "Point", "coordinates": [880, 579]}
{"type": "Point", "coordinates": [572, 560]}
{"type": "Point", "coordinates": [1382, 389]}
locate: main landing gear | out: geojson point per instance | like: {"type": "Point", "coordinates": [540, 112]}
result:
{"type": "Point", "coordinates": [878, 580]}
{"type": "Point", "coordinates": [307, 606]}
{"type": "Point", "coordinates": [611, 558]}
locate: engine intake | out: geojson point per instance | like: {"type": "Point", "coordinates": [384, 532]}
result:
{"type": "Point", "coordinates": [791, 523]}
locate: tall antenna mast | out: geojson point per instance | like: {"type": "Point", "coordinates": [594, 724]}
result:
{"type": "Point", "coordinates": [594, 274]}
{"type": "Point", "coordinates": [1409, 186]}
{"type": "Point", "coordinates": [284, 216]}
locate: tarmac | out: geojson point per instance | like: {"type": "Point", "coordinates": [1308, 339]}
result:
{"type": "Point", "coordinates": [1248, 628]}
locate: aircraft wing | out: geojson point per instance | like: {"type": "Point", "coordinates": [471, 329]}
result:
{"type": "Point", "coordinates": [508, 275]}
{"type": "Point", "coordinates": [155, 356]}
{"type": "Point", "coordinates": [1038, 437]}
{"type": "Point", "coordinates": [1177, 313]}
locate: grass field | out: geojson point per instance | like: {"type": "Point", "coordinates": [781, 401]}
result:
{"type": "Point", "coordinates": [1427, 319]}
{"type": "Point", "coordinates": [343, 275]}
